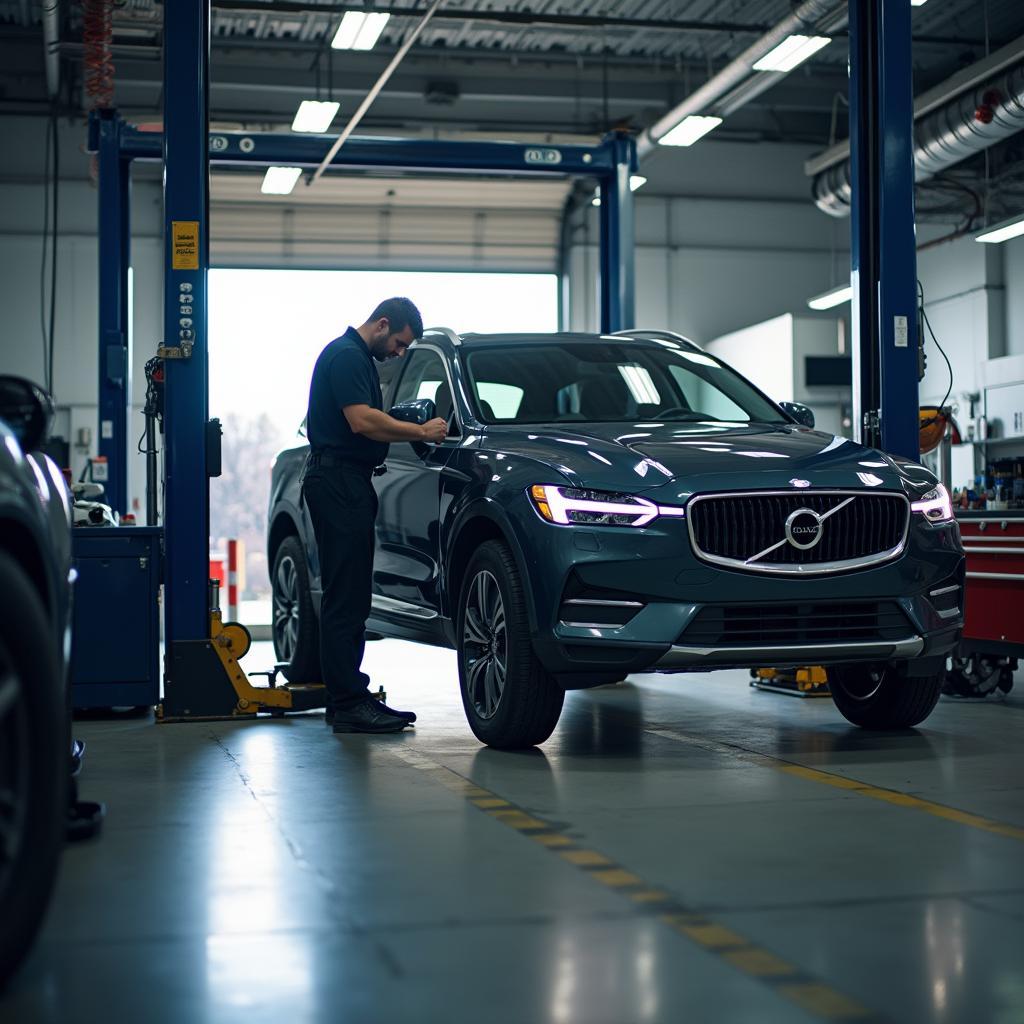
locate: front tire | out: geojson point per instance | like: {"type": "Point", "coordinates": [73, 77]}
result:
{"type": "Point", "coordinates": [296, 630]}
{"type": "Point", "coordinates": [511, 702]}
{"type": "Point", "coordinates": [34, 770]}
{"type": "Point", "coordinates": [884, 696]}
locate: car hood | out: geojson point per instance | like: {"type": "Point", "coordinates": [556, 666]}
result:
{"type": "Point", "coordinates": [681, 459]}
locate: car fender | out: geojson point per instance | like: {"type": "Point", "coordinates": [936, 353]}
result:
{"type": "Point", "coordinates": [484, 507]}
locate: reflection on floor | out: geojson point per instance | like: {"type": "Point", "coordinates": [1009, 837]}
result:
{"type": "Point", "coordinates": [659, 859]}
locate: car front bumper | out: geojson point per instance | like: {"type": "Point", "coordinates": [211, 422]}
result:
{"type": "Point", "coordinates": [655, 569]}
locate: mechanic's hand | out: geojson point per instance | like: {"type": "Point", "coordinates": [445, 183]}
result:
{"type": "Point", "coordinates": [435, 430]}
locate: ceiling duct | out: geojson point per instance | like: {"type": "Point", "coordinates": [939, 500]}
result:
{"type": "Point", "coordinates": [945, 135]}
{"type": "Point", "coordinates": [812, 15]}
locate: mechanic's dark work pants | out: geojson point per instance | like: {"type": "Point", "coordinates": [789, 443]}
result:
{"type": "Point", "coordinates": [343, 506]}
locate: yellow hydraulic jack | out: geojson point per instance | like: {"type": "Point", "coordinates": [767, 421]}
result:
{"type": "Point", "coordinates": [797, 682]}
{"type": "Point", "coordinates": [203, 679]}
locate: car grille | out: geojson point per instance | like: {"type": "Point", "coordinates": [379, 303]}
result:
{"type": "Point", "coordinates": [813, 622]}
{"type": "Point", "coordinates": [857, 529]}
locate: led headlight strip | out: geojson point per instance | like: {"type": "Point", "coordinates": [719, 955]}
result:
{"type": "Point", "coordinates": [572, 505]}
{"type": "Point", "coordinates": [935, 506]}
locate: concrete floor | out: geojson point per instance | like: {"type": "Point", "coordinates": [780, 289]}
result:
{"type": "Point", "coordinates": [683, 848]}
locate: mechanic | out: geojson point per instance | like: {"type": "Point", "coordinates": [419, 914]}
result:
{"type": "Point", "coordinates": [348, 442]}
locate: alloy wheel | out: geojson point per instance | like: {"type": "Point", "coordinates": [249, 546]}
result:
{"type": "Point", "coordinates": [286, 609]}
{"type": "Point", "coordinates": [14, 766]}
{"type": "Point", "coordinates": [485, 644]}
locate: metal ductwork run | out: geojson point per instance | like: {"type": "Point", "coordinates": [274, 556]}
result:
{"type": "Point", "coordinates": [809, 16]}
{"type": "Point", "coordinates": [969, 123]}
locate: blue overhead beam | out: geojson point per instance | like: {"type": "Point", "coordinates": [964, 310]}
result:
{"type": "Point", "coordinates": [883, 242]}
{"type": "Point", "coordinates": [473, 158]}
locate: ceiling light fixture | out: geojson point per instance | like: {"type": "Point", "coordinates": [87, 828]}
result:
{"type": "Point", "coordinates": [793, 50]}
{"type": "Point", "coordinates": [314, 116]}
{"type": "Point", "coordinates": [918, 3]}
{"type": "Point", "coordinates": [689, 130]}
{"type": "Point", "coordinates": [833, 297]}
{"type": "Point", "coordinates": [635, 181]}
{"type": "Point", "coordinates": [359, 31]}
{"type": "Point", "coordinates": [1002, 232]}
{"type": "Point", "coordinates": [279, 181]}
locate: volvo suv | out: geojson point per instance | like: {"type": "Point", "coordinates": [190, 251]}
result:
{"type": "Point", "coordinates": [608, 504]}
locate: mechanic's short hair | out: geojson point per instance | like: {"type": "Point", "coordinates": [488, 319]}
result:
{"type": "Point", "coordinates": [401, 313]}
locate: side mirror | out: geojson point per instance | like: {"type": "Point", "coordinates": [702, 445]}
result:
{"type": "Point", "coordinates": [419, 410]}
{"type": "Point", "coordinates": [27, 410]}
{"type": "Point", "coordinates": [803, 414]}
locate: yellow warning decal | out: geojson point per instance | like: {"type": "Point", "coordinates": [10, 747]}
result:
{"type": "Point", "coordinates": [184, 245]}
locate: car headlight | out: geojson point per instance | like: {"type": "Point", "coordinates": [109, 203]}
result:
{"type": "Point", "coordinates": [568, 505]}
{"type": "Point", "coordinates": [935, 506]}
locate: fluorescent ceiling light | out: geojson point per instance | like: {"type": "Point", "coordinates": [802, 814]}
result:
{"type": "Point", "coordinates": [833, 297]}
{"type": "Point", "coordinates": [793, 50]}
{"type": "Point", "coordinates": [918, 3]}
{"type": "Point", "coordinates": [689, 130]}
{"type": "Point", "coordinates": [279, 181]}
{"type": "Point", "coordinates": [1002, 232]}
{"type": "Point", "coordinates": [359, 31]}
{"type": "Point", "coordinates": [314, 116]}
{"type": "Point", "coordinates": [635, 181]}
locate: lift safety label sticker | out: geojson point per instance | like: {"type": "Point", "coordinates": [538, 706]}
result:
{"type": "Point", "coordinates": [184, 245]}
{"type": "Point", "coordinates": [901, 327]}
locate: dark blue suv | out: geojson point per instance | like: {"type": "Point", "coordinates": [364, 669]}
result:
{"type": "Point", "coordinates": [607, 504]}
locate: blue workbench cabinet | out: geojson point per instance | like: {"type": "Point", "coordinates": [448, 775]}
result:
{"type": "Point", "coordinates": [115, 653]}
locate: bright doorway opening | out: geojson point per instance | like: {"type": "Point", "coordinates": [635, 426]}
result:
{"type": "Point", "coordinates": [267, 328]}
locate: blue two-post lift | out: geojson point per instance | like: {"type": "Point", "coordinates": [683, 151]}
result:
{"type": "Point", "coordinates": [187, 149]}
{"type": "Point", "coordinates": [883, 270]}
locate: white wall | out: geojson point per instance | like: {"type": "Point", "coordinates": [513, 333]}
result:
{"type": "Point", "coordinates": [76, 359]}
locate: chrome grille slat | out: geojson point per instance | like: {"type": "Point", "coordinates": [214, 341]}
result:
{"type": "Point", "coordinates": [731, 528]}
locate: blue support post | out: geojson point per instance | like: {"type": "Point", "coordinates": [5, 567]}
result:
{"type": "Point", "coordinates": [186, 255]}
{"type": "Point", "coordinates": [883, 245]}
{"type": "Point", "coordinates": [618, 284]}
{"type": "Point", "coordinates": [115, 332]}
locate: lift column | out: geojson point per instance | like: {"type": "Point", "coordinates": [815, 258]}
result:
{"type": "Point", "coordinates": [186, 256]}
{"type": "Point", "coordinates": [115, 365]}
{"type": "Point", "coordinates": [883, 245]}
{"type": "Point", "coordinates": [618, 285]}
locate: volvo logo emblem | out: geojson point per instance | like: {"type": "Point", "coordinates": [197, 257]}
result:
{"type": "Point", "coordinates": [803, 528]}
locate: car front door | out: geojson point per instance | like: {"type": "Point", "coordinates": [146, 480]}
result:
{"type": "Point", "coordinates": [406, 564]}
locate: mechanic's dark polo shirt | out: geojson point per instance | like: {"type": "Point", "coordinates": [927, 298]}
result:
{"type": "Point", "coordinates": [345, 374]}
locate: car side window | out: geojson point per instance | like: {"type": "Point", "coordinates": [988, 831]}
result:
{"type": "Point", "coordinates": [425, 377]}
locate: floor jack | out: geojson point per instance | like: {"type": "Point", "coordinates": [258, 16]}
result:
{"type": "Point", "coordinates": [205, 680]}
{"type": "Point", "coordinates": [797, 682]}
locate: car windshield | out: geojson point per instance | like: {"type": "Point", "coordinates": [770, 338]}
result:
{"type": "Point", "coordinates": [604, 381]}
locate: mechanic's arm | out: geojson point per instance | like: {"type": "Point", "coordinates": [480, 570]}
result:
{"type": "Point", "coordinates": [379, 426]}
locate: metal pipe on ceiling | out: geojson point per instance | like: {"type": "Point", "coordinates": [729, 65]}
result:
{"type": "Point", "coordinates": [373, 93]}
{"type": "Point", "coordinates": [734, 75]}
{"type": "Point", "coordinates": [967, 124]}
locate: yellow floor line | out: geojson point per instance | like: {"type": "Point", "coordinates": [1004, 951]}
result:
{"type": "Point", "coordinates": [889, 796]}
{"type": "Point", "coordinates": [762, 965]}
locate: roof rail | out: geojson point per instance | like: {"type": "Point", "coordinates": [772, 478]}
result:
{"type": "Point", "coordinates": [655, 333]}
{"type": "Point", "coordinates": [446, 331]}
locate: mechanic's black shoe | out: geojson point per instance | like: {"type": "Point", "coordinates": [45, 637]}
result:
{"type": "Point", "coordinates": [368, 716]}
{"type": "Point", "coordinates": [409, 716]}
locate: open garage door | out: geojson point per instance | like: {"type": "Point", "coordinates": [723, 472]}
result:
{"type": "Point", "coordinates": [370, 222]}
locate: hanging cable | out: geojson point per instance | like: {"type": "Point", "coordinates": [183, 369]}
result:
{"type": "Point", "coordinates": [42, 262]}
{"type": "Point", "coordinates": [942, 351]}
{"type": "Point", "coordinates": [54, 237]}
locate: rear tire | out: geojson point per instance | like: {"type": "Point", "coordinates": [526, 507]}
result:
{"type": "Point", "coordinates": [34, 764]}
{"type": "Point", "coordinates": [883, 696]}
{"type": "Point", "coordinates": [295, 627]}
{"type": "Point", "coordinates": [511, 702]}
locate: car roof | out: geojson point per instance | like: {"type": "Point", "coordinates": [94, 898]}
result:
{"type": "Point", "coordinates": [639, 336]}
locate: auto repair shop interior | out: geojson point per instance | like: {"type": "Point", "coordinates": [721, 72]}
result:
{"type": "Point", "coordinates": [707, 593]}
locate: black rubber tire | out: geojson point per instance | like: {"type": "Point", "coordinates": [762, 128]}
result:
{"type": "Point", "coordinates": [531, 701]}
{"type": "Point", "coordinates": [35, 764]}
{"type": "Point", "coordinates": [879, 696]}
{"type": "Point", "coordinates": [303, 666]}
